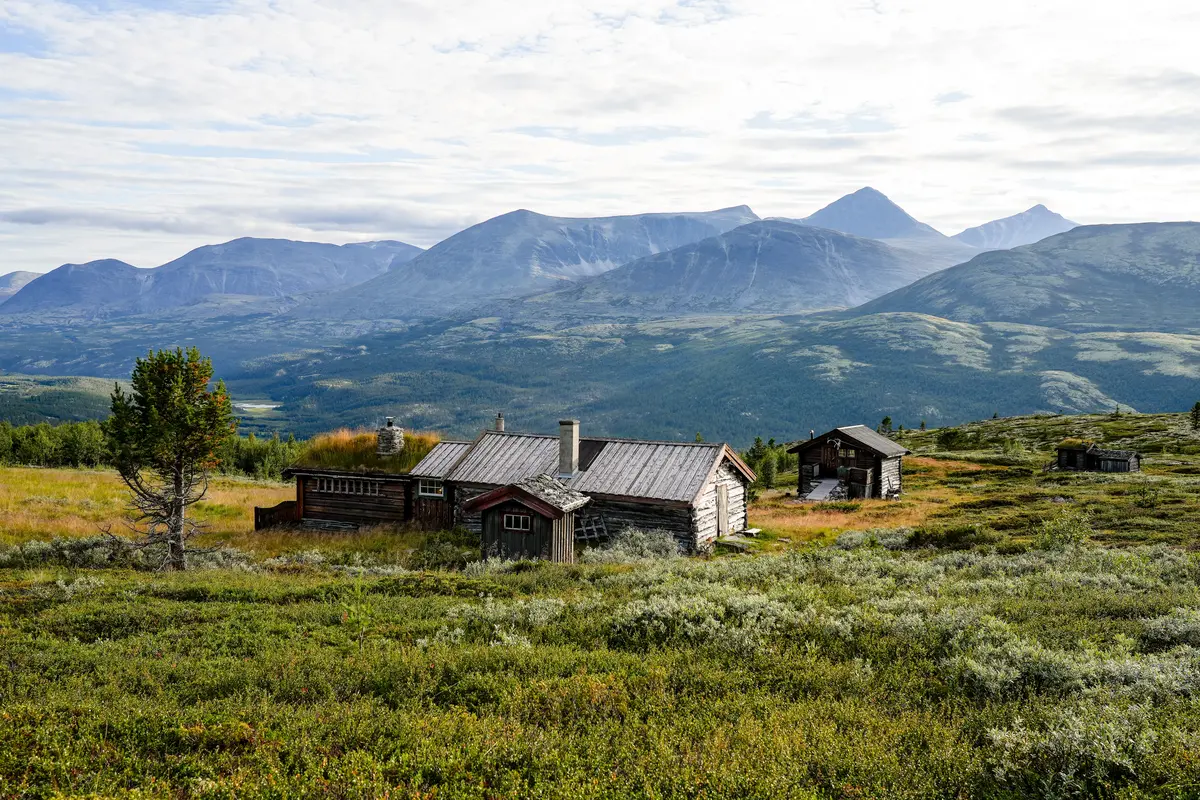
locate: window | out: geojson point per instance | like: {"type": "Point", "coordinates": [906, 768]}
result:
{"type": "Point", "coordinates": [517, 522]}
{"type": "Point", "coordinates": [430, 488]}
{"type": "Point", "coordinates": [348, 486]}
{"type": "Point", "coordinates": [848, 452]}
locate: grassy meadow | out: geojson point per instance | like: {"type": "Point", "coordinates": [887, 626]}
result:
{"type": "Point", "coordinates": [1001, 632]}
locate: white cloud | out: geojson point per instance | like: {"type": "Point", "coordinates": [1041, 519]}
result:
{"type": "Point", "coordinates": [136, 130]}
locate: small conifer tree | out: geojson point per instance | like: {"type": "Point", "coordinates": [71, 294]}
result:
{"type": "Point", "coordinates": [769, 470]}
{"type": "Point", "coordinates": [1195, 415]}
{"type": "Point", "coordinates": [164, 437]}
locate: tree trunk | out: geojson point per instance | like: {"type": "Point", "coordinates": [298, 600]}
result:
{"type": "Point", "coordinates": [177, 555]}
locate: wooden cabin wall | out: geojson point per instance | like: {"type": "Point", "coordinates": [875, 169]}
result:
{"type": "Point", "coordinates": [562, 545]}
{"type": "Point", "coordinates": [463, 494]}
{"type": "Point", "coordinates": [704, 512]}
{"type": "Point", "coordinates": [495, 541]}
{"type": "Point", "coordinates": [434, 513]}
{"type": "Point", "coordinates": [619, 515]}
{"type": "Point", "coordinates": [385, 508]}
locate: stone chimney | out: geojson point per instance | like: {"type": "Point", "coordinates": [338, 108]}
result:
{"type": "Point", "coordinates": [568, 448]}
{"type": "Point", "coordinates": [500, 422]}
{"type": "Point", "coordinates": [389, 439]}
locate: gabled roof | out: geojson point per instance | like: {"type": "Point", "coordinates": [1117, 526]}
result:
{"type": "Point", "coordinates": [861, 435]}
{"type": "Point", "coordinates": [1118, 455]}
{"type": "Point", "coordinates": [665, 471]}
{"type": "Point", "coordinates": [542, 493]}
{"type": "Point", "coordinates": [440, 459]}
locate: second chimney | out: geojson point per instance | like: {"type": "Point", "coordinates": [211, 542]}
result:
{"type": "Point", "coordinates": [500, 422]}
{"type": "Point", "coordinates": [389, 440]}
{"type": "Point", "coordinates": [568, 448]}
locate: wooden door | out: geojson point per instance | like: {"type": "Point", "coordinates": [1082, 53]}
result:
{"type": "Point", "coordinates": [722, 510]}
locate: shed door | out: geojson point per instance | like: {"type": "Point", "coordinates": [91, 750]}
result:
{"type": "Point", "coordinates": [722, 510]}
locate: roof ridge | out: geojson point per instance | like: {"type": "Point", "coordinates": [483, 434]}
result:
{"type": "Point", "coordinates": [607, 439]}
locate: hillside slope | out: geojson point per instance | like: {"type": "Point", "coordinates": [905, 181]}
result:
{"type": "Point", "coordinates": [769, 266]}
{"type": "Point", "coordinates": [13, 282]}
{"type": "Point", "coordinates": [1126, 277]}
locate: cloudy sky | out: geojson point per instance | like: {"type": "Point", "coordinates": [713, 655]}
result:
{"type": "Point", "coordinates": [137, 129]}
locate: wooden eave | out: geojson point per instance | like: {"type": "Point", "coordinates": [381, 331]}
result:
{"type": "Point", "coordinates": [317, 472]}
{"type": "Point", "coordinates": [517, 494]}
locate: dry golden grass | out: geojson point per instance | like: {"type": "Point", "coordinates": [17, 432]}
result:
{"type": "Point", "coordinates": [781, 517]}
{"type": "Point", "coordinates": [45, 503]}
{"type": "Point", "coordinates": [354, 450]}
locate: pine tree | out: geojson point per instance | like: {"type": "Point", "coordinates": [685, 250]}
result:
{"type": "Point", "coordinates": [164, 437]}
{"type": "Point", "coordinates": [769, 470]}
{"type": "Point", "coordinates": [1195, 415]}
{"type": "Point", "coordinates": [886, 425]}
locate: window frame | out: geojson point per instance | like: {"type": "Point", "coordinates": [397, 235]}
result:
{"type": "Point", "coordinates": [526, 524]}
{"type": "Point", "coordinates": [439, 494]}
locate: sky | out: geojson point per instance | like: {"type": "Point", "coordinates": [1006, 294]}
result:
{"type": "Point", "coordinates": [139, 129]}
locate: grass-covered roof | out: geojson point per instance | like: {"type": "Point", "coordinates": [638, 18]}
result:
{"type": "Point", "coordinates": [347, 450]}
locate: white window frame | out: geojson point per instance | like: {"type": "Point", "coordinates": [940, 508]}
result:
{"type": "Point", "coordinates": [359, 486]}
{"type": "Point", "coordinates": [436, 488]}
{"type": "Point", "coordinates": [518, 523]}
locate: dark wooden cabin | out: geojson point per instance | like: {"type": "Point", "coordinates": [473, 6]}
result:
{"type": "Point", "coordinates": [348, 499]}
{"type": "Point", "coordinates": [1087, 457]}
{"type": "Point", "coordinates": [534, 518]}
{"type": "Point", "coordinates": [869, 464]}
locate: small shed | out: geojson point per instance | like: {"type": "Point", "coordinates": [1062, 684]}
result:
{"type": "Point", "coordinates": [1076, 456]}
{"type": "Point", "coordinates": [533, 518]}
{"type": "Point", "coordinates": [868, 463]}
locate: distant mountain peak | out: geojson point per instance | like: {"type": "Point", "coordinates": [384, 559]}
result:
{"type": "Point", "coordinates": [1028, 227]}
{"type": "Point", "coordinates": [869, 213]}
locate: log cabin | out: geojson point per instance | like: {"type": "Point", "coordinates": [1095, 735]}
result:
{"type": "Point", "coordinates": [696, 491]}
{"type": "Point", "coordinates": [1078, 456]}
{"type": "Point", "coordinates": [853, 461]}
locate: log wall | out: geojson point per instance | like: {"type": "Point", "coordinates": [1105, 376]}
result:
{"type": "Point", "coordinates": [387, 507]}
{"type": "Point", "coordinates": [704, 513]}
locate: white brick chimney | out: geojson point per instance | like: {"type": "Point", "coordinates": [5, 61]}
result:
{"type": "Point", "coordinates": [389, 440]}
{"type": "Point", "coordinates": [568, 448]}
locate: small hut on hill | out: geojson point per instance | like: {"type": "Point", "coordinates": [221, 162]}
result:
{"type": "Point", "coordinates": [852, 461]}
{"type": "Point", "coordinates": [1076, 455]}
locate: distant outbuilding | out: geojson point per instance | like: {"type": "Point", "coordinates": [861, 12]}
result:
{"type": "Point", "coordinates": [1075, 455]}
{"type": "Point", "coordinates": [867, 464]}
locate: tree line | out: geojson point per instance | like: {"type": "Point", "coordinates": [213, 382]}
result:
{"type": "Point", "coordinates": [83, 445]}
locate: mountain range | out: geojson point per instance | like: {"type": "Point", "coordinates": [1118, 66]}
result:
{"type": "Point", "coordinates": [770, 266]}
{"type": "Point", "coordinates": [659, 324]}
{"type": "Point", "coordinates": [264, 269]}
{"type": "Point", "coordinates": [517, 254]}
{"type": "Point", "coordinates": [664, 263]}
{"type": "Point", "coordinates": [1142, 277]}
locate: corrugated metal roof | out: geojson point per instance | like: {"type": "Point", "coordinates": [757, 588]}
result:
{"type": "Point", "coordinates": [439, 460]}
{"type": "Point", "coordinates": [499, 458]}
{"type": "Point", "coordinates": [876, 441]}
{"type": "Point", "coordinates": [652, 470]}
{"type": "Point", "coordinates": [672, 471]}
